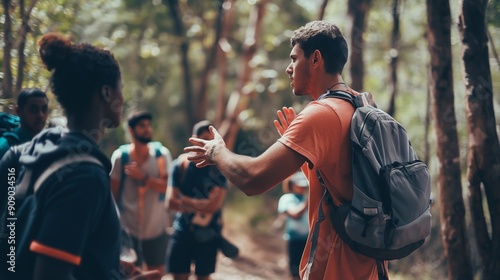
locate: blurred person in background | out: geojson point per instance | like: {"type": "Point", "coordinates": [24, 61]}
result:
{"type": "Point", "coordinates": [293, 205]}
{"type": "Point", "coordinates": [197, 194]}
{"type": "Point", "coordinates": [32, 109]}
{"type": "Point", "coordinates": [138, 183]}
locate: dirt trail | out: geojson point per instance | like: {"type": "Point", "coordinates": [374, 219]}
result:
{"type": "Point", "coordinates": [262, 257]}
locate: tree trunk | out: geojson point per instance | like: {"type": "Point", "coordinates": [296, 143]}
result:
{"type": "Point", "coordinates": [427, 145]}
{"type": "Point", "coordinates": [449, 184]}
{"type": "Point", "coordinates": [184, 48]}
{"type": "Point", "coordinates": [239, 99]}
{"type": "Point", "coordinates": [493, 48]}
{"type": "Point", "coordinates": [322, 9]}
{"type": "Point", "coordinates": [394, 53]}
{"type": "Point", "coordinates": [7, 71]}
{"type": "Point", "coordinates": [200, 110]}
{"type": "Point", "coordinates": [223, 48]}
{"type": "Point", "coordinates": [357, 11]}
{"type": "Point", "coordinates": [483, 165]}
{"type": "Point", "coordinates": [25, 15]}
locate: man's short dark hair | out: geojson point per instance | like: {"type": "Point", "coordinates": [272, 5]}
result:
{"type": "Point", "coordinates": [201, 127]}
{"type": "Point", "coordinates": [325, 37]}
{"type": "Point", "coordinates": [135, 117]}
{"type": "Point", "coordinates": [27, 93]}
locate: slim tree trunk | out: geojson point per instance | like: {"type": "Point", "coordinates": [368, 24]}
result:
{"type": "Point", "coordinates": [184, 48]}
{"type": "Point", "coordinates": [200, 110]}
{"type": "Point", "coordinates": [493, 48]}
{"type": "Point", "coordinates": [239, 99]}
{"type": "Point", "coordinates": [427, 153]}
{"type": "Point", "coordinates": [8, 45]}
{"type": "Point", "coordinates": [483, 163]}
{"type": "Point", "coordinates": [449, 183]}
{"type": "Point", "coordinates": [357, 11]}
{"type": "Point", "coordinates": [223, 49]}
{"type": "Point", "coordinates": [322, 9]}
{"type": "Point", "coordinates": [394, 53]}
{"type": "Point", "coordinates": [24, 29]}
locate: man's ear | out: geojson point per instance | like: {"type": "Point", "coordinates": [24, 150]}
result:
{"type": "Point", "coordinates": [316, 56]}
{"type": "Point", "coordinates": [106, 93]}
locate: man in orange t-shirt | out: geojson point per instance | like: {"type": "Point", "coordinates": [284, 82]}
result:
{"type": "Point", "coordinates": [315, 139]}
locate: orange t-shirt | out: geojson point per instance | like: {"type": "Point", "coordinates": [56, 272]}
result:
{"type": "Point", "coordinates": [321, 134]}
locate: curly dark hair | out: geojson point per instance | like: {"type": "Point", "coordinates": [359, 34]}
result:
{"type": "Point", "coordinates": [79, 71]}
{"type": "Point", "coordinates": [325, 37]}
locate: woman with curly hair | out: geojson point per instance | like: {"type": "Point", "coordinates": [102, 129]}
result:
{"type": "Point", "coordinates": [73, 230]}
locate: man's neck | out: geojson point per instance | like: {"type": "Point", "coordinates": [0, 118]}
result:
{"type": "Point", "coordinates": [141, 149]}
{"type": "Point", "coordinates": [326, 82]}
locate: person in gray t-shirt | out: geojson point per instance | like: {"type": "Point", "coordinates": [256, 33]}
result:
{"type": "Point", "coordinates": [138, 182]}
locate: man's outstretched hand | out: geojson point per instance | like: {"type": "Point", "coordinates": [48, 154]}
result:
{"type": "Point", "coordinates": [285, 117]}
{"type": "Point", "coordinates": [204, 151]}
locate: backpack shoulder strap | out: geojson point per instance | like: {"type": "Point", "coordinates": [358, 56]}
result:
{"type": "Point", "coordinates": [339, 94]}
{"type": "Point", "coordinates": [11, 138]}
{"type": "Point", "coordinates": [160, 160]}
{"type": "Point", "coordinates": [360, 100]}
{"type": "Point", "coordinates": [124, 159]}
{"type": "Point", "coordinates": [64, 162]}
{"type": "Point", "coordinates": [157, 147]}
{"type": "Point", "coordinates": [25, 187]}
{"type": "Point", "coordinates": [161, 164]}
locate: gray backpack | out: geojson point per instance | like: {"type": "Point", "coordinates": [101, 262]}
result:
{"type": "Point", "coordinates": [389, 215]}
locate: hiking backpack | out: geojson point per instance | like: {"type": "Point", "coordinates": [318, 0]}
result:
{"type": "Point", "coordinates": [389, 215]}
{"type": "Point", "coordinates": [8, 123]}
{"type": "Point", "coordinates": [19, 218]}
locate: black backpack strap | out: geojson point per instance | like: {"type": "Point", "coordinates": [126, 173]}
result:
{"type": "Point", "coordinates": [339, 95]}
{"type": "Point", "coordinates": [11, 138]}
{"type": "Point", "coordinates": [382, 273]}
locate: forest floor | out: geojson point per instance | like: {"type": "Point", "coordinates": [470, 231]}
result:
{"type": "Point", "coordinates": [262, 257]}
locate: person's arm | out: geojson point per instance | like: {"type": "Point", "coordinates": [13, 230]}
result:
{"type": "Point", "coordinates": [253, 175]}
{"type": "Point", "coordinates": [209, 205]}
{"type": "Point", "coordinates": [298, 211]}
{"type": "Point", "coordinates": [157, 184]}
{"type": "Point", "coordinates": [47, 268]}
{"type": "Point", "coordinates": [115, 185]}
{"type": "Point", "coordinates": [173, 200]}
{"type": "Point", "coordinates": [116, 173]}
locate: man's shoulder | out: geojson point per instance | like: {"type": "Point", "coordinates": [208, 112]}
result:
{"type": "Point", "coordinates": [159, 148]}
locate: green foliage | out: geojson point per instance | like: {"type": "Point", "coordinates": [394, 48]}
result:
{"type": "Point", "coordinates": [493, 13]}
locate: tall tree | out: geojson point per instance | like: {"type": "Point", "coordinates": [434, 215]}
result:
{"type": "Point", "coordinates": [452, 209]}
{"type": "Point", "coordinates": [15, 41]}
{"type": "Point", "coordinates": [210, 59]}
{"type": "Point", "coordinates": [483, 164]}
{"type": "Point", "coordinates": [239, 99]}
{"type": "Point", "coordinates": [223, 49]}
{"type": "Point", "coordinates": [322, 9]}
{"type": "Point", "coordinates": [24, 29]}
{"type": "Point", "coordinates": [7, 48]}
{"type": "Point", "coordinates": [394, 53]}
{"type": "Point", "coordinates": [184, 49]}
{"type": "Point", "coordinates": [357, 11]}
